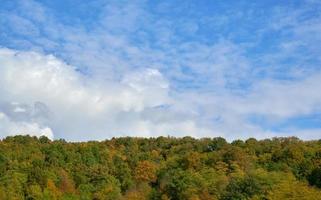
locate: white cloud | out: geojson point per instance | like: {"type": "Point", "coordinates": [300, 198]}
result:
{"type": "Point", "coordinates": [81, 107]}
{"type": "Point", "coordinates": [9, 127]}
{"type": "Point", "coordinates": [41, 95]}
{"type": "Point", "coordinates": [285, 99]}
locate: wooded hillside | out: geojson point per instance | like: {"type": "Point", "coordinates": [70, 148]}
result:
{"type": "Point", "coordinates": [160, 169]}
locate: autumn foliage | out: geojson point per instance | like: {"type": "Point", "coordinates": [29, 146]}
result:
{"type": "Point", "coordinates": [163, 168]}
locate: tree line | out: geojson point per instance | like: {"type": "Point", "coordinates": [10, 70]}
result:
{"type": "Point", "coordinates": [163, 168]}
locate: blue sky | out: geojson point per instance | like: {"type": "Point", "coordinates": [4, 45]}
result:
{"type": "Point", "coordinates": [93, 70]}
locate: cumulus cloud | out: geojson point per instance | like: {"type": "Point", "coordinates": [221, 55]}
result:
{"type": "Point", "coordinates": [10, 126]}
{"type": "Point", "coordinates": [42, 93]}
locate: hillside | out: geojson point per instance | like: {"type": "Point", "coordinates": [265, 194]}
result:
{"type": "Point", "coordinates": [160, 169]}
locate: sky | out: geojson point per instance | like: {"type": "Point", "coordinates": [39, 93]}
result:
{"type": "Point", "coordinates": [92, 70]}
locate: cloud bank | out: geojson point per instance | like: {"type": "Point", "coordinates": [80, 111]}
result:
{"type": "Point", "coordinates": [40, 94]}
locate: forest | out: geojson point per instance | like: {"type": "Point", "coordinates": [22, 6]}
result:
{"type": "Point", "coordinates": [162, 168]}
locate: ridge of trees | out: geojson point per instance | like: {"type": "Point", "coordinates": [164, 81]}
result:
{"type": "Point", "coordinates": [163, 168]}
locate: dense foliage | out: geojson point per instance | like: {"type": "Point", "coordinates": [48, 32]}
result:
{"type": "Point", "coordinates": [161, 168]}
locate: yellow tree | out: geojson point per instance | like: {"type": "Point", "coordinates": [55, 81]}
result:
{"type": "Point", "coordinates": [294, 190]}
{"type": "Point", "coordinates": [145, 172]}
{"type": "Point", "coordinates": [51, 191]}
{"type": "Point", "coordinates": [142, 192]}
{"type": "Point", "coordinates": [66, 184]}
